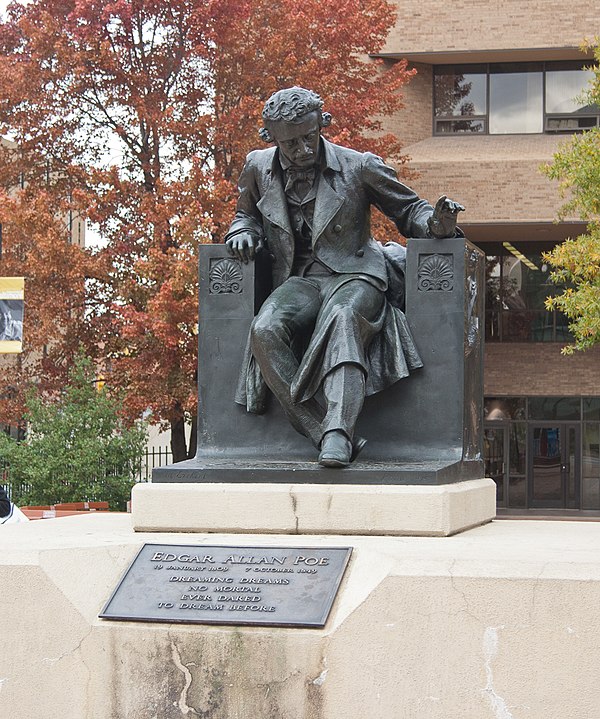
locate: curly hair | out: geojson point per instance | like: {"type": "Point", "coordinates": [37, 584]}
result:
{"type": "Point", "coordinates": [290, 105]}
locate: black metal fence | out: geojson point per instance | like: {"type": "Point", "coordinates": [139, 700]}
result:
{"type": "Point", "coordinates": [152, 457]}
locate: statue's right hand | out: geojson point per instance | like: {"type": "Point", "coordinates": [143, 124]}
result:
{"type": "Point", "coordinates": [244, 246]}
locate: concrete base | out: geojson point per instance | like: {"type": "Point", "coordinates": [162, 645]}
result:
{"type": "Point", "coordinates": [314, 509]}
{"type": "Point", "coordinates": [497, 622]}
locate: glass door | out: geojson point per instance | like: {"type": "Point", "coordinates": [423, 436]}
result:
{"type": "Point", "coordinates": [554, 473]}
{"type": "Point", "coordinates": [494, 454]}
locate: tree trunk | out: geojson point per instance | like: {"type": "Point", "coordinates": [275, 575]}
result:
{"type": "Point", "coordinates": [178, 443]}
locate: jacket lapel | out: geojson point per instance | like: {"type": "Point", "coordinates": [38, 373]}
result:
{"type": "Point", "coordinates": [327, 204]}
{"type": "Point", "coordinates": [273, 204]}
{"type": "Point", "coordinates": [328, 201]}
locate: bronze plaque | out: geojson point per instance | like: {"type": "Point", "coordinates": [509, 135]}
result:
{"type": "Point", "coordinates": [274, 586]}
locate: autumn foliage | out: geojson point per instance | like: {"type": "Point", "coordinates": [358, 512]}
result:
{"type": "Point", "coordinates": [138, 115]}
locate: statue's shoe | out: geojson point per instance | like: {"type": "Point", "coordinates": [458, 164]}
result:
{"type": "Point", "coordinates": [336, 450]}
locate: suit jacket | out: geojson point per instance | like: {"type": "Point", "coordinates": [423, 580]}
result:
{"type": "Point", "coordinates": [350, 182]}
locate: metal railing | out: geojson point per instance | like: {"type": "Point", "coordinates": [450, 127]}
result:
{"type": "Point", "coordinates": [152, 457]}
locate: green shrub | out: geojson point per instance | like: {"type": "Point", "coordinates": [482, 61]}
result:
{"type": "Point", "coordinates": [77, 446]}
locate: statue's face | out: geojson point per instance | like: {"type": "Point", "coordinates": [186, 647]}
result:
{"type": "Point", "coordinates": [298, 142]}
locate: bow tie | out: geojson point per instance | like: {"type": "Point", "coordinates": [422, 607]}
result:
{"type": "Point", "coordinates": [299, 180]}
{"type": "Point", "coordinates": [297, 174]}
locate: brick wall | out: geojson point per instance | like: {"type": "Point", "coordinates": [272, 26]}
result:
{"type": "Point", "coordinates": [433, 26]}
{"type": "Point", "coordinates": [491, 191]}
{"type": "Point", "coordinates": [497, 178]}
{"type": "Point", "coordinates": [414, 123]}
{"type": "Point", "coordinates": [540, 370]}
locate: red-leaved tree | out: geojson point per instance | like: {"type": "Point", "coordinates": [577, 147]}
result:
{"type": "Point", "coordinates": [141, 113]}
{"type": "Point", "coordinates": [38, 224]}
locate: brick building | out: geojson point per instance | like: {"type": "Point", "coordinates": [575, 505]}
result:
{"type": "Point", "coordinates": [494, 96]}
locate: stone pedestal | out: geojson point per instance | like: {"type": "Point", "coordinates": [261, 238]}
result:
{"type": "Point", "coordinates": [500, 622]}
{"type": "Point", "coordinates": [314, 509]}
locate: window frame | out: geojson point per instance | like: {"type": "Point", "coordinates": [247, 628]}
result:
{"type": "Point", "coordinates": [547, 117]}
{"type": "Point", "coordinates": [500, 319]}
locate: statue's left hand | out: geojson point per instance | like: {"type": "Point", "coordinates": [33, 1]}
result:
{"type": "Point", "coordinates": [442, 222]}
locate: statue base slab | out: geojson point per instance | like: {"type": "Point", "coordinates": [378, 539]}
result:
{"type": "Point", "coordinates": [260, 508]}
{"type": "Point", "coordinates": [247, 470]}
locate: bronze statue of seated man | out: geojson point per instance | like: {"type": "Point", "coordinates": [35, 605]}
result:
{"type": "Point", "coordinates": [327, 336]}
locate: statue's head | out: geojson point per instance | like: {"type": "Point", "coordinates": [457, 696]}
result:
{"type": "Point", "coordinates": [293, 120]}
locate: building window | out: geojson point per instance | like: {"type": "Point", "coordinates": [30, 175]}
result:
{"type": "Point", "coordinates": [516, 98]}
{"type": "Point", "coordinates": [517, 285]}
{"type": "Point", "coordinates": [512, 98]}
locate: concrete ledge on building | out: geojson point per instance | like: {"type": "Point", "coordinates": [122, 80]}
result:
{"type": "Point", "coordinates": [436, 511]}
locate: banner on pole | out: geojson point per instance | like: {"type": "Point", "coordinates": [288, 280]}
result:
{"type": "Point", "coordinates": [11, 314]}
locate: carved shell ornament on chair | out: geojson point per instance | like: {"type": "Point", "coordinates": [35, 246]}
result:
{"type": "Point", "coordinates": [225, 277]}
{"type": "Point", "coordinates": [435, 273]}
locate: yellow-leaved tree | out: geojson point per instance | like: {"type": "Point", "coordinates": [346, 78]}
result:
{"type": "Point", "coordinates": [576, 262]}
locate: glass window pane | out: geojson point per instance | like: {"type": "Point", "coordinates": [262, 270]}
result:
{"type": "Point", "coordinates": [499, 408]}
{"type": "Point", "coordinates": [547, 484]}
{"type": "Point", "coordinates": [591, 408]}
{"type": "Point", "coordinates": [563, 88]}
{"type": "Point", "coordinates": [460, 91]}
{"type": "Point", "coordinates": [493, 299]}
{"type": "Point", "coordinates": [550, 408]}
{"type": "Point", "coordinates": [451, 127]}
{"type": "Point", "coordinates": [571, 456]}
{"type": "Point", "coordinates": [524, 284]}
{"type": "Point", "coordinates": [570, 124]}
{"type": "Point", "coordinates": [590, 471]}
{"type": "Point", "coordinates": [536, 286]}
{"type": "Point", "coordinates": [517, 286]}
{"type": "Point", "coordinates": [524, 288]}
{"type": "Point", "coordinates": [542, 326]}
{"type": "Point", "coordinates": [517, 326]}
{"type": "Point", "coordinates": [493, 278]}
{"type": "Point", "coordinates": [493, 454]}
{"type": "Point", "coordinates": [563, 333]}
{"type": "Point", "coordinates": [516, 94]}
{"type": "Point", "coordinates": [517, 485]}
{"type": "Point", "coordinates": [492, 326]}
